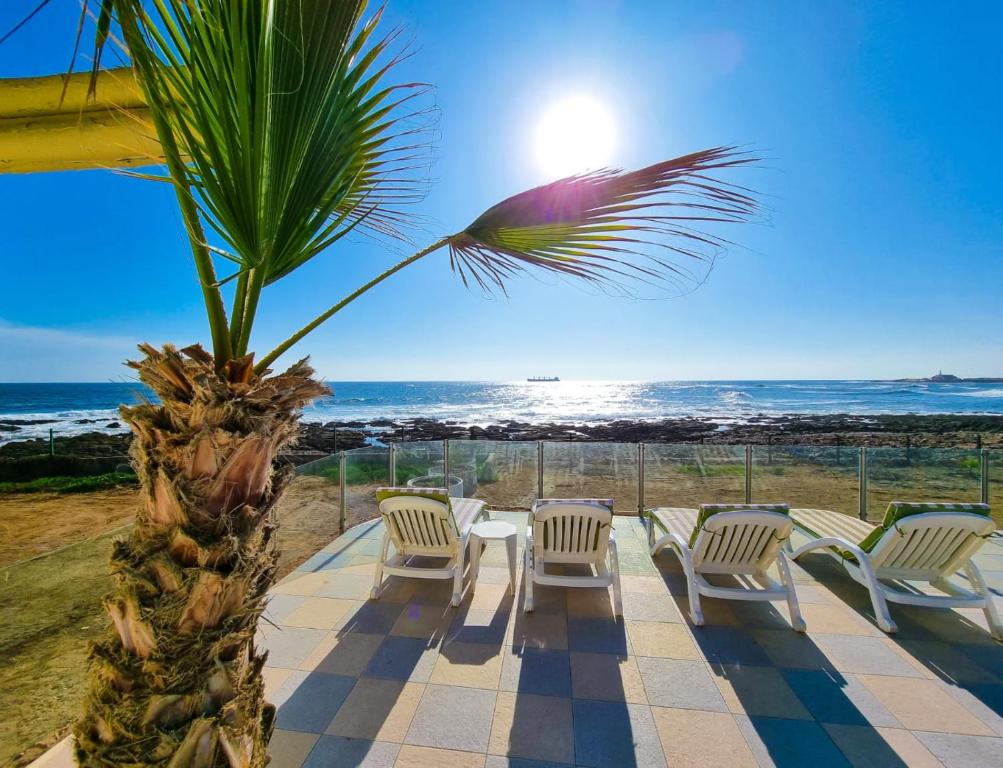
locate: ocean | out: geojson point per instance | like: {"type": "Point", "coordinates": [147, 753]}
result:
{"type": "Point", "coordinates": [75, 408]}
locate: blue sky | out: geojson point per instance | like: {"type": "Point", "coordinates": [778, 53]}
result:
{"type": "Point", "coordinates": [882, 255]}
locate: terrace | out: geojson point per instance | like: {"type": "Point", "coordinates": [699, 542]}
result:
{"type": "Point", "coordinates": [410, 681]}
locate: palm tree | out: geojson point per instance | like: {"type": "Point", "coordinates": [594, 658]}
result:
{"type": "Point", "coordinates": [281, 133]}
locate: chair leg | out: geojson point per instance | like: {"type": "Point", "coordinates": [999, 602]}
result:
{"type": "Point", "coordinates": [992, 615]}
{"type": "Point", "coordinates": [614, 566]}
{"type": "Point", "coordinates": [878, 601]}
{"type": "Point", "coordinates": [378, 574]}
{"type": "Point", "coordinates": [797, 620]}
{"type": "Point", "coordinates": [458, 573]}
{"type": "Point", "coordinates": [527, 575]}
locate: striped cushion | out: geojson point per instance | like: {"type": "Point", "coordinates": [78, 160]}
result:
{"type": "Point", "coordinates": [707, 510]}
{"type": "Point", "coordinates": [900, 509]}
{"type": "Point", "coordinates": [824, 524]}
{"type": "Point", "coordinates": [678, 520]}
{"type": "Point", "coordinates": [466, 512]}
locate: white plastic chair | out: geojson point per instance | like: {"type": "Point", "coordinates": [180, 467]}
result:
{"type": "Point", "coordinates": [572, 532]}
{"type": "Point", "coordinates": [915, 542]}
{"type": "Point", "coordinates": [736, 540]}
{"type": "Point", "coordinates": [424, 522]}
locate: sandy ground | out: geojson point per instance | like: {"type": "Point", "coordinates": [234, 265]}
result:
{"type": "Point", "coordinates": [33, 523]}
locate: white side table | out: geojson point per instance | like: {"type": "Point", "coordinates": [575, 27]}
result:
{"type": "Point", "coordinates": [492, 530]}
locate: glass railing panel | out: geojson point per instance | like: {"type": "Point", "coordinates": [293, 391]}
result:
{"type": "Point", "coordinates": [500, 472]}
{"type": "Point", "coordinates": [309, 512]}
{"type": "Point", "coordinates": [592, 470]}
{"type": "Point", "coordinates": [689, 475]}
{"type": "Point", "coordinates": [51, 609]}
{"type": "Point", "coordinates": [366, 469]}
{"type": "Point", "coordinates": [815, 477]}
{"type": "Point", "coordinates": [996, 486]}
{"type": "Point", "coordinates": [921, 474]}
{"type": "Point", "coordinates": [419, 464]}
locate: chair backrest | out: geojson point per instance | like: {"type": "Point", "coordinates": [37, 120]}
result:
{"type": "Point", "coordinates": [929, 545]}
{"type": "Point", "coordinates": [571, 530]}
{"type": "Point", "coordinates": [745, 541]}
{"type": "Point", "coordinates": [419, 523]}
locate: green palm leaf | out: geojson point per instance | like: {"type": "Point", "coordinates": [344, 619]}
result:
{"type": "Point", "coordinates": [609, 227]}
{"type": "Point", "coordinates": [279, 127]}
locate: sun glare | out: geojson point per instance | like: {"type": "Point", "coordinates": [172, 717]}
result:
{"type": "Point", "coordinates": [576, 134]}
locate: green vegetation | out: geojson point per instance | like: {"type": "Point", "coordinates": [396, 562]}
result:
{"type": "Point", "coordinates": [71, 484]}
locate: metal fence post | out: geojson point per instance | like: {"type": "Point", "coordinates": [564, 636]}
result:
{"type": "Point", "coordinates": [52, 444]}
{"type": "Point", "coordinates": [748, 474]}
{"type": "Point", "coordinates": [539, 469]}
{"type": "Point", "coordinates": [640, 480]}
{"type": "Point", "coordinates": [985, 475]}
{"type": "Point", "coordinates": [862, 500]}
{"type": "Point", "coordinates": [445, 464]}
{"type": "Point", "coordinates": [344, 496]}
{"type": "Point", "coordinates": [393, 464]}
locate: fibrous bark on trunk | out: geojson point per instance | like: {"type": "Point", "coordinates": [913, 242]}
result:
{"type": "Point", "coordinates": [177, 680]}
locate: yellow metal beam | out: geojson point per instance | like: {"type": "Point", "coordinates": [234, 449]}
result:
{"type": "Point", "coordinates": [43, 130]}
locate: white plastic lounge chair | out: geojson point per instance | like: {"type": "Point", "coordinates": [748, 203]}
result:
{"type": "Point", "coordinates": [741, 540]}
{"type": "Point", "coordinates": [915, 542]}
{"type": "Point", "coordinates": [572, 532]}
{"type": "Point", "coordinates": [425, 522]}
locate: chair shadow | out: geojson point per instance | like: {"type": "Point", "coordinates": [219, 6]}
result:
{"type": "Point", "coordinates": [955, 649]}
{"type": "Point", "coordinates": [350, 696]}
{"type": "Point", "coordinates": [570, 702]}
{"type": "Point", "coordinates": [785, 705]}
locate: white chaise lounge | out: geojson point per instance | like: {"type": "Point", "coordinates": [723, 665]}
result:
{"type": "Point", "coordinates": [915, 542]}
{"type": "Point", "coordinates": [425, 522]}
{"type": "Point", "coordinates": [572, 532]}
{"type": "Point", "coordinates": [740, 540]}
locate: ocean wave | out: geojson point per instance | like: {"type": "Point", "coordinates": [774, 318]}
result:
{"type": "Point", "coordinates": [981, 393]}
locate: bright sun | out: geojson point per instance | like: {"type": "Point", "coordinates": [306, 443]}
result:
{"type": "Point", "coordinates": [576, 134]}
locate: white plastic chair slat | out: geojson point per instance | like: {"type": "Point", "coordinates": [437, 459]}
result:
{"type": "Point", "coordinates": [755, 544]}
{"type": "Point", "coordinates": [930, 540]}
{"type": "Point", "coordinates": [947, 544]}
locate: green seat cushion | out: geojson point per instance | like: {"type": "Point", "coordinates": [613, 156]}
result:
{"type": "Point", "coordinates": [897, 510]}
{"type": "Point", "coordinates": [706, 511]}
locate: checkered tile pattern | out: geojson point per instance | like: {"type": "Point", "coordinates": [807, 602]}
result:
{"type": "Point", "coordinates": [408, 681]}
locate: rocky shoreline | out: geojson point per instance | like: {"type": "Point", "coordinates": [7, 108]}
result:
{"type": "Point", "coordinates": [943, 431]}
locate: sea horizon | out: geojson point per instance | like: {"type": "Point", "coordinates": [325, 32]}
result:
{"type": "Point", "coordinates": [30, 410]}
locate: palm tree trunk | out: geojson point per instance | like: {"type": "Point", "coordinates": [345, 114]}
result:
{"type": "Point", "coordinates": [177, 680]}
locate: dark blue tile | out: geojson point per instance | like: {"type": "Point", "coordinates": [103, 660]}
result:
{"type": "Point", "coordinates": [613, 733]}
{"type": "Point", "coordinates": [597, 636]}
{"type": "Point", "coordinates": [314, 703]}
{"type": "Point", "coordinates": [351, 753]}
{"type": "Point", "coordinates": [792, 743]}
{"type": "Point", "coordinates": [833, 698]}
{"type": "Point", "coordinates": [542, 671]}
{"type": "Point", "coordinates": [730, 645]}
{"type": "Point", "coordinates": [402, 658]}
{"type": "Point", "coordinates": [372, 618]}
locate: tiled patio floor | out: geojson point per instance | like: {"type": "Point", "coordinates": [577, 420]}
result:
{"type": "Point", "coordinates": [408, 681]}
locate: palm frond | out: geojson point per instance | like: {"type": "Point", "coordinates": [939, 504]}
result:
{"type": "Point", "coordinates": [286, 132]}
{"type": "Point", "coordinates": [610, 227]}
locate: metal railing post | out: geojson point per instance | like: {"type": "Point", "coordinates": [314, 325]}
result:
{"type": "Point", "coordinates": [862, 500]}
{"type": "Point", "coordinates": [985, 475]}
{"type": "Point", "coordinates": [445, 464]}
{"type": "Point", "coordinates": [342, 463]}
{"type": "Point", "coordinates": [393, 464]}
{"type": "Point", "coordinates": [539, 469]}
{"type": "Point", "coordinates": [640, 480]}
{"type": "Point", "coordinates": [748, 474]}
